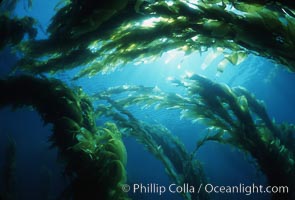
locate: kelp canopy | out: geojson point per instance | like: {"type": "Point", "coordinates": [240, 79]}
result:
{"type": "Point", "coordinates": [102, 36]}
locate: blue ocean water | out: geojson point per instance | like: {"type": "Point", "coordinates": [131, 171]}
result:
{"type": "Point", "coordinates": [37, 166]}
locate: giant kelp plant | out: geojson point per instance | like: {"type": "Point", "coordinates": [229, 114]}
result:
{"type": "Point", "coordinates": [159, 141]}
{"type": "Point", "coordinates": [102, 36]}
{"type": "Point", "coordinates": [94, 156]}
{"type": "Point", "coordinates": [233, 116]}
{"type": "Point", "coordinates": [241, 120]}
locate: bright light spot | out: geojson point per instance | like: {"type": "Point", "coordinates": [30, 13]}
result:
{"type": "Point", "coordinates": [219, 49]}
{"type": "Point", "coordinates": [191, 3]}
{"type": "Point", "coordinates": [125, 87]}
{"type": "Point", "coordinates": [169, 3]}
{"type": "Point", "coordinates": [195, 38]}
{"type": "Point", "coordinates": [150, 23]}
{"type": "Point", "coordinates": [181, 18]}
{"type": "Point", "coordinates": [222, 65]}
{"type": "Point", "coordinates": [231, 8]}
{"type": "Point", "coordinates": [169, 78]}
{"type": "Point", "coordinates": [179, 66]}
{"type": "Point", "coordinates": [163, 39]}
{"type": "Point", "coordinates": [211, 56]}
{"type": "Point", "coordinates": [131, 47]}
{"type": "Point", "coordinates": [94, 46]}
{"type": "Point", "coordinates": [156, 89]}
{"type": "Point", "coordinates": [173, 54]}
{"type": "Point", "coordinates": [192, 6]}
{"type": "Point", "coordinates": [185, 48]}
{"type": "Point", "coordinates": [126, 27]}
{"type": "Point", "coordinates": [194, 1]}
{"type": "Point", "coordinates": [188, 74]}
{"type": "Point", "coordinates": [138, 63]}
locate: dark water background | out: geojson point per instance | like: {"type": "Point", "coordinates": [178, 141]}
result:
{"type": "Point", "coordinates": [37, 166]}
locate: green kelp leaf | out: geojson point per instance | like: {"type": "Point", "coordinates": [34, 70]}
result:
{"type": "Point", "coordinates": [289, 12]}
{"type": "Point", "coordinates": [243, 103]}
{"type": "Point", "coordinates": [282, 149]}
{"type": "Point", "coordinates": [247, 8]}
{"type": "Point", "coordinates": [217, 28]}
{"type": "Point", "coordinates": [90, 70]}
{"type": "Point", "coordinates": [222, 65]}
{"type": "Point", "coordinates": [291, 30]}
{"type": "Point", "coordinates": [218, 137]}
{"type": "Point", "coordinates": [291, 161]}
{"type": "Point", "coordinates": [236, 58]}
{"type": "Point", "coordinates": [265, 134]}
{"type": "Point", "coordinates": [212, 1]}
{"type": "Point", "coordinates": [211, 56]}
{"type": "Point", "coordinates": [61, 3]}
{"type": "Point", "coordinates": [117, 171]}
{"type": "Point", "coordinates": [270, 20]}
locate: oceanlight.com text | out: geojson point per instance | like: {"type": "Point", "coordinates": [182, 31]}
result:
{"type": "Point", "coordinates": [246, 189]}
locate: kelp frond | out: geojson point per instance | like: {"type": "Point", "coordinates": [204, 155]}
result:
{"type": "Point", "coordinates": [102, 38]}
{"type": "Point", "coordinates": [95, 157]}
{"type": "Point", "coordinates": [178, 163]}
{"type": "Point", "coordinates": [233, 116]}
{"type": "Point", "coordinates": [14, 29]}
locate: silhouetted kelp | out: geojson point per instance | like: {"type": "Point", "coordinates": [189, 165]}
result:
{"type": "Point", "coordinates": [8, 5]}
{"type": "Point", "coordinates": [101, 37]}
{"type": "Point", "coordinates": [233, 116]}
{"type": "Point", "coordinates": [94, 156]}
{"type": "Point", "coordinates": [14, 29]}
{"type": "Point", "coordinates": [178, 163]}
